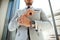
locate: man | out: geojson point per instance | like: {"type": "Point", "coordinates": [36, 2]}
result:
{"type": "Point", "coordinates": [21, 22]}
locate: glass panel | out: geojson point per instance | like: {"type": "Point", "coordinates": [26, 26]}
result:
{"type": "Point", "coordinates": [56, 11]}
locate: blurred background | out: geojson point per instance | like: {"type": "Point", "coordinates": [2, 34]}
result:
{"type": "Point", "coordinates": [9, 7]}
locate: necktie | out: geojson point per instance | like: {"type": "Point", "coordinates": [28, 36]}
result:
{"type": "Point", "coordinates": [28, 27]}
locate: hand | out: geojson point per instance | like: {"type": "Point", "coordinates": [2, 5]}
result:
{"type": "Point", "coordinates": [23, 20]}
{"type": "Point", "coordinates": [29, 12]}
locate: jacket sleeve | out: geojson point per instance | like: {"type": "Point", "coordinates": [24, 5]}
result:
{"type": "Point", "coordinates": [43, 23]}
{"type": "Point", "coordinates": [13, 25]}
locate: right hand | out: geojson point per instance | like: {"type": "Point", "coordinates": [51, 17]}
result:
{"type": "Point", "coordinates": [24, 21]}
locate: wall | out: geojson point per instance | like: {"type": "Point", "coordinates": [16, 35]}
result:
{"type": "Point", "coordinates": [3, 12]}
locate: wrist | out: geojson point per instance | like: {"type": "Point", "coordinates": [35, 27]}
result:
{"type": "Point", "coordinates": [33, 24]}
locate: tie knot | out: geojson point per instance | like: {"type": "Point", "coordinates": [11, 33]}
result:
{"type": "Point", "coordinates": [28, 7]}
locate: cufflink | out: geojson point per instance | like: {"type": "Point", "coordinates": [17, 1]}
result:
{"type": "Point", "coordinates": [33, 25]}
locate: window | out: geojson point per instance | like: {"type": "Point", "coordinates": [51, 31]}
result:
{"type": "Point", "coordinates": [43, 4]}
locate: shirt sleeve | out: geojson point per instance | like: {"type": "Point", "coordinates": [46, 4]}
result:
{"type": "Point", "coordinates": [13, 23]}
{"type": "Point", "coordinates": [44, 22]}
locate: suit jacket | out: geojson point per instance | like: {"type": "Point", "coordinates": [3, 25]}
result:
{"type": "Point", "coordinates": [41, 24]}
